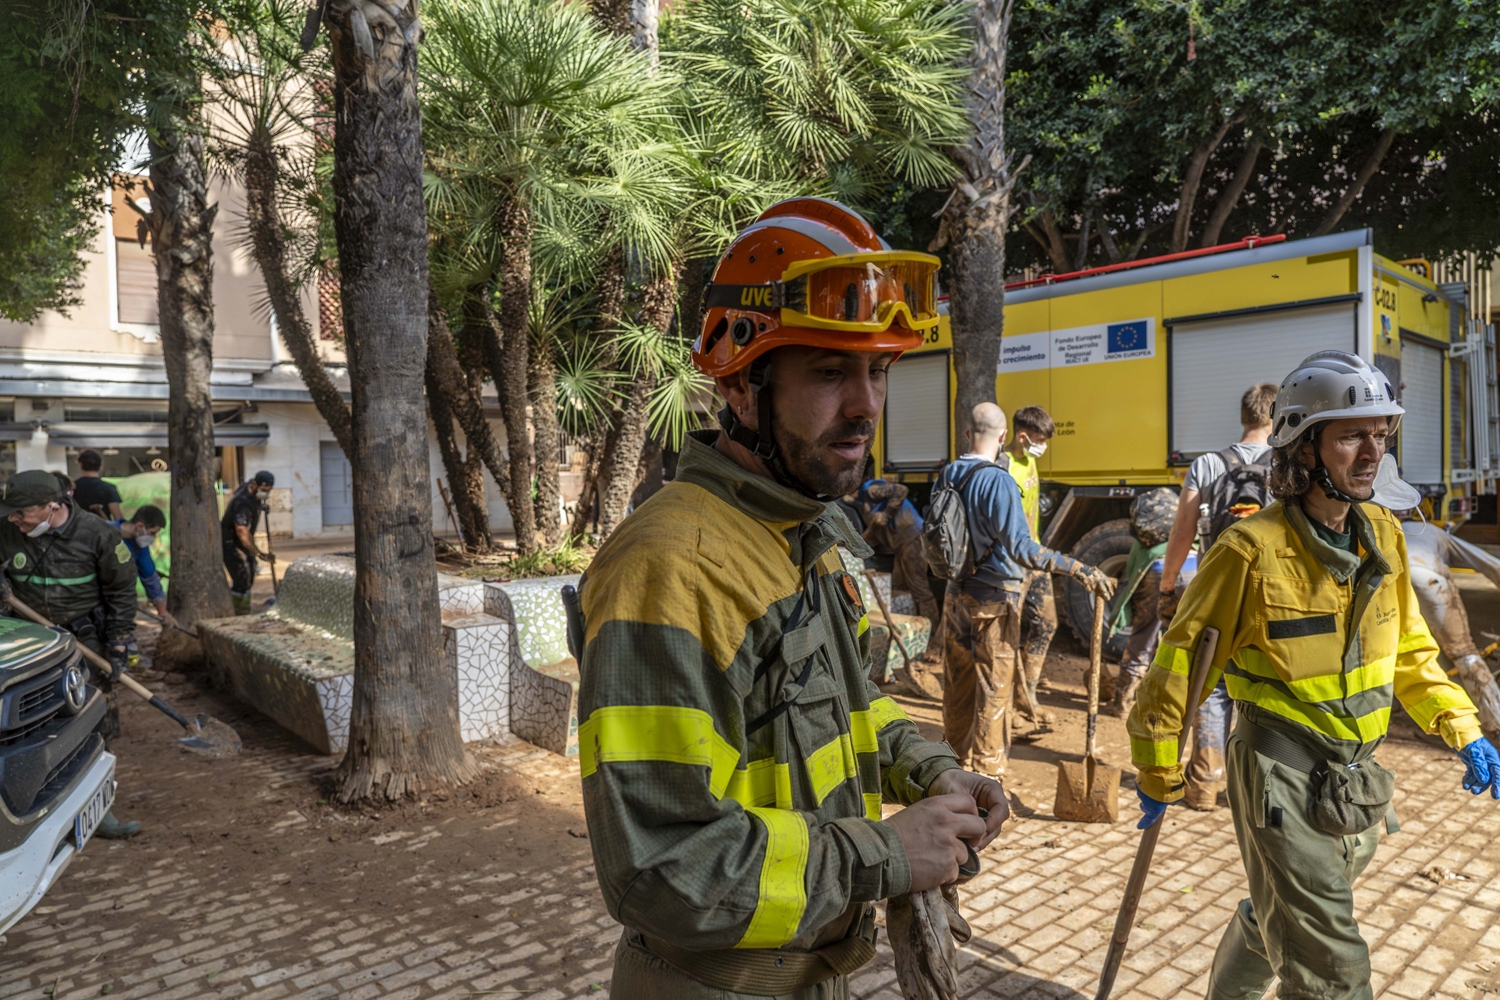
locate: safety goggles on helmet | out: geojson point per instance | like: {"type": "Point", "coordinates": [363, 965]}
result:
{"type": "Point", "coordinates": [857, 292]}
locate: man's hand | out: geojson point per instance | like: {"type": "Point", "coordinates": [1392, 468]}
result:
{"type": "Point", "coordinates": [1482, 767]}
{"type": "Point", "coordinates": [934, 832]}
{"type": "Point", "coordinates": [123, 656]}
{"type": "Point", "coordinates": [1095, 581]}
{"type": "Point", "coordinates": [166, 616]}
{"type": "Point", "coordinates": [1166, 605]}
{"type": "Point", "coordinates": [987, 793]}
{"type": "Point", "coordinates": [269, 557]}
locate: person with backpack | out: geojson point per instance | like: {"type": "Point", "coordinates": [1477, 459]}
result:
{"type": "Point", "coordinates": [1220, 489]}
{"type": "Point", "coordinates": [977, 538]}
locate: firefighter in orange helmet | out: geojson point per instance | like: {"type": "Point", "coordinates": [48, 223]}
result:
{"type": "Point", "coordinates": [735, 754]}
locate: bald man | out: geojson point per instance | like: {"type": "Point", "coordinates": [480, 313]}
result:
{"type": "Point", "coordinates": [982, 612]}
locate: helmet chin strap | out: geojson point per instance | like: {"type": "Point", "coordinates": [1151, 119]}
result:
{"type": "Point", "coordinates": [762, 444]}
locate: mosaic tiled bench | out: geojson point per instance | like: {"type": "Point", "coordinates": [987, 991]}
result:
{"type": "Point", "coordinates": [915, 631]}
{"type": "Point", "coordinates": [295, 662]}
{"type": "Point", "coordinates": [543, 676]}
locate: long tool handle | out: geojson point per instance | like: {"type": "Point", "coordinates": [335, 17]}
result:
{"type": "Point", "coordinates": [275, 586]}
{"type": "Point", "coordinates": [890, 625]}
{"type": "Point", "coordinates": [130, 683]}
{"type": "Point", "coordinates": [1096, 662]}
{"type": "Point", "coordinates": [1208, 643]}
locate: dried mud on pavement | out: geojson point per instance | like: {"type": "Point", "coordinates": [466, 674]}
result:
{"type": "Point", "coordinates": [247, 883]}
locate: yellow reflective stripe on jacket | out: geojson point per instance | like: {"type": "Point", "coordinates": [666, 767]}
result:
{"type": "Point", "coordinates": [864, 625]}
{"type": "Point", "coordinates": [754, 785]}
{"type": "Point", "coordinates": [656, 732]}
{"type": "Point", "coordinates": [1366, 727]}
{"type": "Point", "coordinates": [1150, 753]}
{"type": "Point", "coordinates": [1169, 657]}
{"type": "Point", "coordinates": [830, 766]}
{"type": "Point", "coordinates": [783, 880]}
{"type": "Point", "coordinates": [864, 726]}
{"type": "Point", "coordinates": [872, 806]}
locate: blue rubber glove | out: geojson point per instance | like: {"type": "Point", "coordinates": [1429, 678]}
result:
{"type": "Point", "coordinates": [1483, 767]}
{"type": "Point", "coordinates": [1153, 809]}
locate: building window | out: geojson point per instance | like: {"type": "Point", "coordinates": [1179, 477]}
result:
{"type": "Point", "coordinates": [135, 282]}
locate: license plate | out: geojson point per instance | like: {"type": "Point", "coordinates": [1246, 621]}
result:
{"type": "Point", "coordinates": [89, 817]}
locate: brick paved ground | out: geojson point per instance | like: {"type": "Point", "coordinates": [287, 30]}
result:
{"type": "Point", "coordinates": [499, 900]}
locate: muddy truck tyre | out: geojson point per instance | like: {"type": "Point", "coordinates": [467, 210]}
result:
{"type": "Point", "coordinates": [1107, 547]}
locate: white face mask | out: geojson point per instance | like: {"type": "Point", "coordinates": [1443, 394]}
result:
{"type": "Point", "coordinates": [42, 528]}
{"type": "Point", "coordinates": [1390, 490]}
{"type": "Point", "coordinates": [1037, 450]}
{"type": "Point", "coordinates": [144, 540]}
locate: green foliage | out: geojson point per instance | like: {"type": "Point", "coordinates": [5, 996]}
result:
{"type": "Point", "coordinates": [1104, 97]}
{"type": "Point", "coordinates": [679, 386]}
{"type": "Point", "coordinates": [569, 557]}
{"type": "Point", "coordinates": [851, 99]}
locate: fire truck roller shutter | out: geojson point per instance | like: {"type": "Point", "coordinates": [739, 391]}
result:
{"type": "Point", "coordinates": [1422, 426]}
{"type": "Point", "coordinates": [1214, 360]}
{"type": "Point", "coordinates": [916, 413]}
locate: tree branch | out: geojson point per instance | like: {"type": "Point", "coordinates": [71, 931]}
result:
{"type": "Point", "coordinates": [1372, 164]}
{"type": "Point", "coordinates": [1192, 181]}
{"type": "Point", "coordinates": [1230, 196]}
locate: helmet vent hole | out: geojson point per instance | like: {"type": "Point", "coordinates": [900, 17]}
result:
{"type": "Point", "coordinates": [742, 331]}
{"type": "Point", "coordinates": [752, 258]}
{"type": "Point", "coordinates": [780, 250]}
{"type": "Point", "coordinates": [1294, 419]}
{"type": "Point", "coordinates": [1351, 395]}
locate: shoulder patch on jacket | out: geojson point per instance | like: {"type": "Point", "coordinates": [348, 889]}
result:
{"type": "Point", "coordinates": [122, 553]}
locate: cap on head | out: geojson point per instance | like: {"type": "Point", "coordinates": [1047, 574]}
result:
{"type": "Point", "coordinates": [1331, 385]}
{"type": "Point", "coordinates": [735, 333]}
{"type": "Point", "coordinates": [27, 489]}
{"type": "Point", "coordinates": [264, 478]}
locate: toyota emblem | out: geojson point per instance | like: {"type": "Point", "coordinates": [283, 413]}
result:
{"type": "Point", "coordinates": [75, 688]}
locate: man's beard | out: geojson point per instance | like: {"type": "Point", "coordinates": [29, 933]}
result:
{"type": "Point", "coordinates": [808, 461]}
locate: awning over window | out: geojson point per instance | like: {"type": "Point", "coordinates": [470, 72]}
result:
{"type": "Point", "coordinates": [79, 434]}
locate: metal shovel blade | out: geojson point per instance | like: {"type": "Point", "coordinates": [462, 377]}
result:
{"type": "Point", "coordinates": [211, 738]}
{"type": "Point", "coordinates": [1088, 792]}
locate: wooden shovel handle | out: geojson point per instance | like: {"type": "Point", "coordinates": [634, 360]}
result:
{"type": "Point", "coordinates": [133, 685]}
{"type": "Point", "coordinates": [1208, 644]}
{"type": "Point", "coordinates": [1096, 661]}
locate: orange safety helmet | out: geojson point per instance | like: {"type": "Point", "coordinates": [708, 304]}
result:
{"type": "Point", "coordinates": [812, 272]}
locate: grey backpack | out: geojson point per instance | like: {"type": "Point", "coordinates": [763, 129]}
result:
{"type": "Point", "coordinates": [945, 532]}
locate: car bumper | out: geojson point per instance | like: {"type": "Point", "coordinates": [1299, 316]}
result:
{"type": "Point", "coordinates": [28, 871]}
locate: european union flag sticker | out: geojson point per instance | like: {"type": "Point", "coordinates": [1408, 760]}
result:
{"type": "Point", "coordinates": [1124, 337]}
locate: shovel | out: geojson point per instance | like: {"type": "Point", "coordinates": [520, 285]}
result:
{"type": "Point", "coordinates": [205, 734]}
{"type": "Point", "coordinates": [1090, 792]}
{"type": "Point", "coordinates": [1208, 643]}
{"type": "Point", "coordinates": [271, 558]}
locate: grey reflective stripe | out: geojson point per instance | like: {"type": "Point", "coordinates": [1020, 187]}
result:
{"type": "Point", "coordinates": [835, 241]}
{"type": "Point", "coordinates": [57, 581]}
{"type": "Point", "coordinates": [1360, 704]}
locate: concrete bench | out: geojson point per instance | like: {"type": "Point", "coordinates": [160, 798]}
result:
{"type": "Point", "coordinates": [295, 663]}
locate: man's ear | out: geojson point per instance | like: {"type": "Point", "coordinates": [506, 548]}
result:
{"type": "Point", "coordinates": [735, 388]}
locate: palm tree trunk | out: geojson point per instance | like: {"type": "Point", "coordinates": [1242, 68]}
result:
{"type": "Point", "coordinates": [472, 524]}
{"type": "Point", "coordinates": [403, 726]}
{"type": "Point", "coordinates": [463, 394]}
{"type": "Point", "coordinates": [262, 177]}
{"type": "Point", "coordinates": [548, 443]}
{"type": "Point", "coordinates": [623, 461]}
{"type": "Point", "coordinates": [472, 491]}
{"type": "Point", "coordinates": [977, 215]}
{"type": "Point", "coordinates": [583, 514]}
{"type": "Point", "coordinates": [181, 223]}
{"type": "Point", "coordinates": [505, 340]}
{"type": "Point", "coordinates": [1371, 164]}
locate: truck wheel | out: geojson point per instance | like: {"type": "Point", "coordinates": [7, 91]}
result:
{"type": "Point", "coordinates": [1107, 547]}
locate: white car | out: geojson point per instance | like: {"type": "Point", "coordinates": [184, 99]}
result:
{"type": "Point", "coordinates": [56, 779]}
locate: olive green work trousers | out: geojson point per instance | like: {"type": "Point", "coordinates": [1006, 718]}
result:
{"type": "Point", "coordinates": [1298, 923]}
{"type": "Point", "coordinates": [640, 975]}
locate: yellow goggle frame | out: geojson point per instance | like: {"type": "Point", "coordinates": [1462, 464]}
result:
{"type": "Point", "coordinates": [856, 292]}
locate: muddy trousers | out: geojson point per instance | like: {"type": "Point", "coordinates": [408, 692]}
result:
{"type": "Point", "coordinates": [1206, 770]}
{"type": "Point", "coordinates": [982, 646]}
{"type": "Point", "coordinates": [1038, 625]}
{"type": "Point", "coordinates": [1298, 923]}
{"type": "Point", "coordinates": [640, 975]}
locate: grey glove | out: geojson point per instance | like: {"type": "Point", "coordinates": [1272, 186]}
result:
{"type": "Point", "coordinates": [1094, 580]}
{"type": "Point", "coordinates": [922, 928]}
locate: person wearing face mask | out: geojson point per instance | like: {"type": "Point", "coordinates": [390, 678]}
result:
{"type": "Point", "coordinates": [139, 533]}
{"type": "Point", "coordinates": [76, 570]}
{"type": "Point", "coordinates": [1033, 428]}
{"type": "Point", "coordinates": [238, 526]}
{"type": "Point", "coordinates": [1319, 634]}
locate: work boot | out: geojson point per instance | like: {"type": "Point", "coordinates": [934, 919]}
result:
{"type": "Point", "coordinates": [1200, 799]}
{"type": "Point", "coordinates": [920, 680]}
{"type": "Point", "coordinates": [1108, 686]}
{"type": "Point", "coordinates": [1124, 699]}
{"type": "Point", "coordinates": [242, 605]}
{"type": "Point", "coordinates": [112, 829]}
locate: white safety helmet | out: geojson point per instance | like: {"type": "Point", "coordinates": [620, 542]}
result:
{"type": "Point", "coordinates": [1331, 385]}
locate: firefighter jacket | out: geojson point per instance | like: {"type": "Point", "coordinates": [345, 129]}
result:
{"type": "Point", "coordinates": [1313, 641]}
{"type": "Point", "coordinates": [70, 571]}
{"type": "Point", "coordinates": [734, 752]}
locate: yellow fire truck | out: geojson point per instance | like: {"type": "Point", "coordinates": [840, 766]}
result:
{"type": "Point", "coordinates": [1142, 365]}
